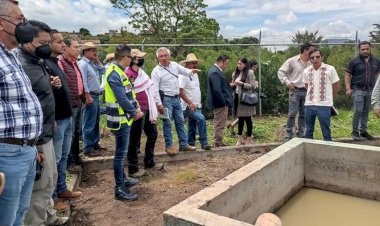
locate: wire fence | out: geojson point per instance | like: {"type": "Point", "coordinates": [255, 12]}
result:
{"type": "Point", "coordinates": [270, 57]}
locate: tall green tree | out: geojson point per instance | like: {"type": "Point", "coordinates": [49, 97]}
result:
{"type": "Point", "coordinates": [166, 19]}
{"type": "Point", "coordinates": [307, 36]}
{"type": "Point", "coordinates": [375, 34]}
{"type": "Point", "coordinates": [84, 32]}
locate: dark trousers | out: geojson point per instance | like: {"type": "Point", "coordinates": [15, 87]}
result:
{"type": "Point", "coordinates": [76, 124]}
{"type": "Point", "coordinates": [248, 121]}
{"type": "Point", "coordinates": [150, 131]}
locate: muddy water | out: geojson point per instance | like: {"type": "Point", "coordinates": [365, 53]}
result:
{"type": "Point", "coordinates": [314, 207]}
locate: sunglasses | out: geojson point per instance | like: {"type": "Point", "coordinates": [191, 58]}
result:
{"type": "Point", "coordinates": [315, 57]}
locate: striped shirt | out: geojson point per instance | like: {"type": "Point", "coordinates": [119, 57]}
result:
{"type": "Point", "coordinates": [20, 110]}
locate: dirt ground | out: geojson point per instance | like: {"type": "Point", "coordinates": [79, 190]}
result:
{"type": "Point", "coordinates": [157, 192]}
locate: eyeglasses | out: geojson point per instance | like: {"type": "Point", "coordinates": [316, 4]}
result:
{"type": "Point", "coordinates": [315, 57]}
{"type": "Point", "coordinates": [23, 19]}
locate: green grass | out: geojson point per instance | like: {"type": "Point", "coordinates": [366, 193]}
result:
{"type": "Point", "coordinates": [186, 176]}
{"type": "Point", "coordinates": [264, 128]}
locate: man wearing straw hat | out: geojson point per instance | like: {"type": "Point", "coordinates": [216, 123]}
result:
{"type": "Point", "coordinates": [107, 62]}
{"type": "Point", "coordinates": [190, 92]}
{"type": "Point", "coordinates": [91, 69]}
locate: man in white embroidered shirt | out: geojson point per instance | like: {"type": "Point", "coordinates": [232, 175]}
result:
{"type": "Point", "coordinates": [166, 91]}
{"type": "Point", "coordinates": [322, 83]}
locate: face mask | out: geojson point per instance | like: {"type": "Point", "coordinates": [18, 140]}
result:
{"type": "Point", "coordinates": [43, 51]}
{"type": "Point", "coordinates": [140, 62]}
{"type": "Point", "coordinates": [24, 33]}
{"type": "Point", "coordinates": [10, 23]}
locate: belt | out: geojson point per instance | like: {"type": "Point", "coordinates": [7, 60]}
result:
{"type": "Point", "coordinates": [19, 141]}
{"type": "Point", "coordinates": [300, 88]}
{"type": "Point", "coordinates": [94, 93]}
{"type": "Point", "coordinates": [175, 96]}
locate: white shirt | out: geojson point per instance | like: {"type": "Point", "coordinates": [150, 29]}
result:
{"type": "Point", "coordinates": [291, 71]}
{"type": "Point", "coordinates": [164, 80]}
{"type": "Point", "coordinates": [319, 85]}
{"type": "Point", "coordinates": [192, 90]}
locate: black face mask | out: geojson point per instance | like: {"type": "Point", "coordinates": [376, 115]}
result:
{"type": "Point", "coordinates": [24, 32]}
{"type": "Point", "coordinates": [43, 51]}
{"type": "Point", "coordinates": [140, 62]}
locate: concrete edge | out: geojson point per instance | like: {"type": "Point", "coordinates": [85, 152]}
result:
{"type": "Point", "coordinates": [93, 165]}
{"type": "Point", "coordinates": [74, 181]}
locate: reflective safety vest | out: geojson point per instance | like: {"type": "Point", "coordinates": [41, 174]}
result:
{"type": "Point", "coordinates": [115, 114]}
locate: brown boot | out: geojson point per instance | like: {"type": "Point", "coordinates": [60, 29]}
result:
{"type": "Point", "coordinates": [171, 150]}
{"type": "Point", "coordinates": [188, 148]}
{"type": "Point", "coordinates": [248, 141]}
{"type": "Point", "coordinates": [60, 205]}
{"type": "Point", "coordinates": [69, 194]}
{"type": "Point", "coordinates": [2, 182]}
{"type": "Point", "coordinates": [240, 140]}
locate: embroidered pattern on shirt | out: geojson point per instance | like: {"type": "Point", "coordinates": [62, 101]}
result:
{"type": "Point", "coordinates": [311, 84]}
{"type": "Point", "coordinates": [322, 87]}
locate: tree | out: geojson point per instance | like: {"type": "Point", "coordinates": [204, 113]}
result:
{"type": "Point", "coordinates": [375, 34]}
{"type": "Point", "coordinates": [166, 19]}
{"type": "Point", "coordinates": [307, 36]}
{"type": "Point", "coordinates": [84, 32]}
{"type": "Point", "coordinates": [245, 40]}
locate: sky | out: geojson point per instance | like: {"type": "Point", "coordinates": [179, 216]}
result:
{"type": "Point", "coordinates": [278, 20]}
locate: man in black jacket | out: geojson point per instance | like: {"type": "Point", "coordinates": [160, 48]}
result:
{"type": "Point", "coordinates": [219, 97]}
{"type": "Point", "coordinates": [63, 133]}
{"type": "Point", "coordinates": [35, 38]}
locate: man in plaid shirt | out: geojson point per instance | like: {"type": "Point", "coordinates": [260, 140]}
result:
{"type": "Point", "coordinates": [20, 122]}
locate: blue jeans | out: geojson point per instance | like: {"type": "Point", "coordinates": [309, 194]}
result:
{"type": "Point", "coordinates": [18, 163]}
{"type": "Point", "coordinates": [90, 127]}
{"type": "Point", "coordinates": [62, 142]}
{"type": "Point", "coordinates": [196, 118]}
{"type": "Point", "coordinates": [296, 106]}
{"type": "Point", "coordinates": [324, 114]}
{"type": "Point", "coordinates": [174, 106]}
{"type": "Point", "coordinates": [362, 105]}
{"type": "Point", "coordinates": [121, 151]}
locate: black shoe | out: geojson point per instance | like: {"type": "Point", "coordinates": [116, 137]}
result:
{"type": "Point", "coordinates": [356, 136]}
{"type": "Point", "coordinates": [287, 139]}
{"type": "Point", "coordinates": [207, 147]}
{"type": "Point", "coordinates": [92, 153]}
{"type": "Point", "coordinates": [100, 148]}
{"type": "Point", "coordinates": [130, 182]}
{"type": "Point", "coordinates": [367, 136]}
{"type": "Point", "coordinates": [125, 194]}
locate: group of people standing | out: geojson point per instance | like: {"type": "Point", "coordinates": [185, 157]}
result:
{"type": "Point", "coordinates": [49, 100]}
{"type": "Point", "coordinates": [313, 85]}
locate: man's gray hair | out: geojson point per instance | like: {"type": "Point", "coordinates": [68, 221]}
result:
{"type": "Point", "coordinates": [4, 4]}
{"type": "Point", "coordinates": [161, 49]}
